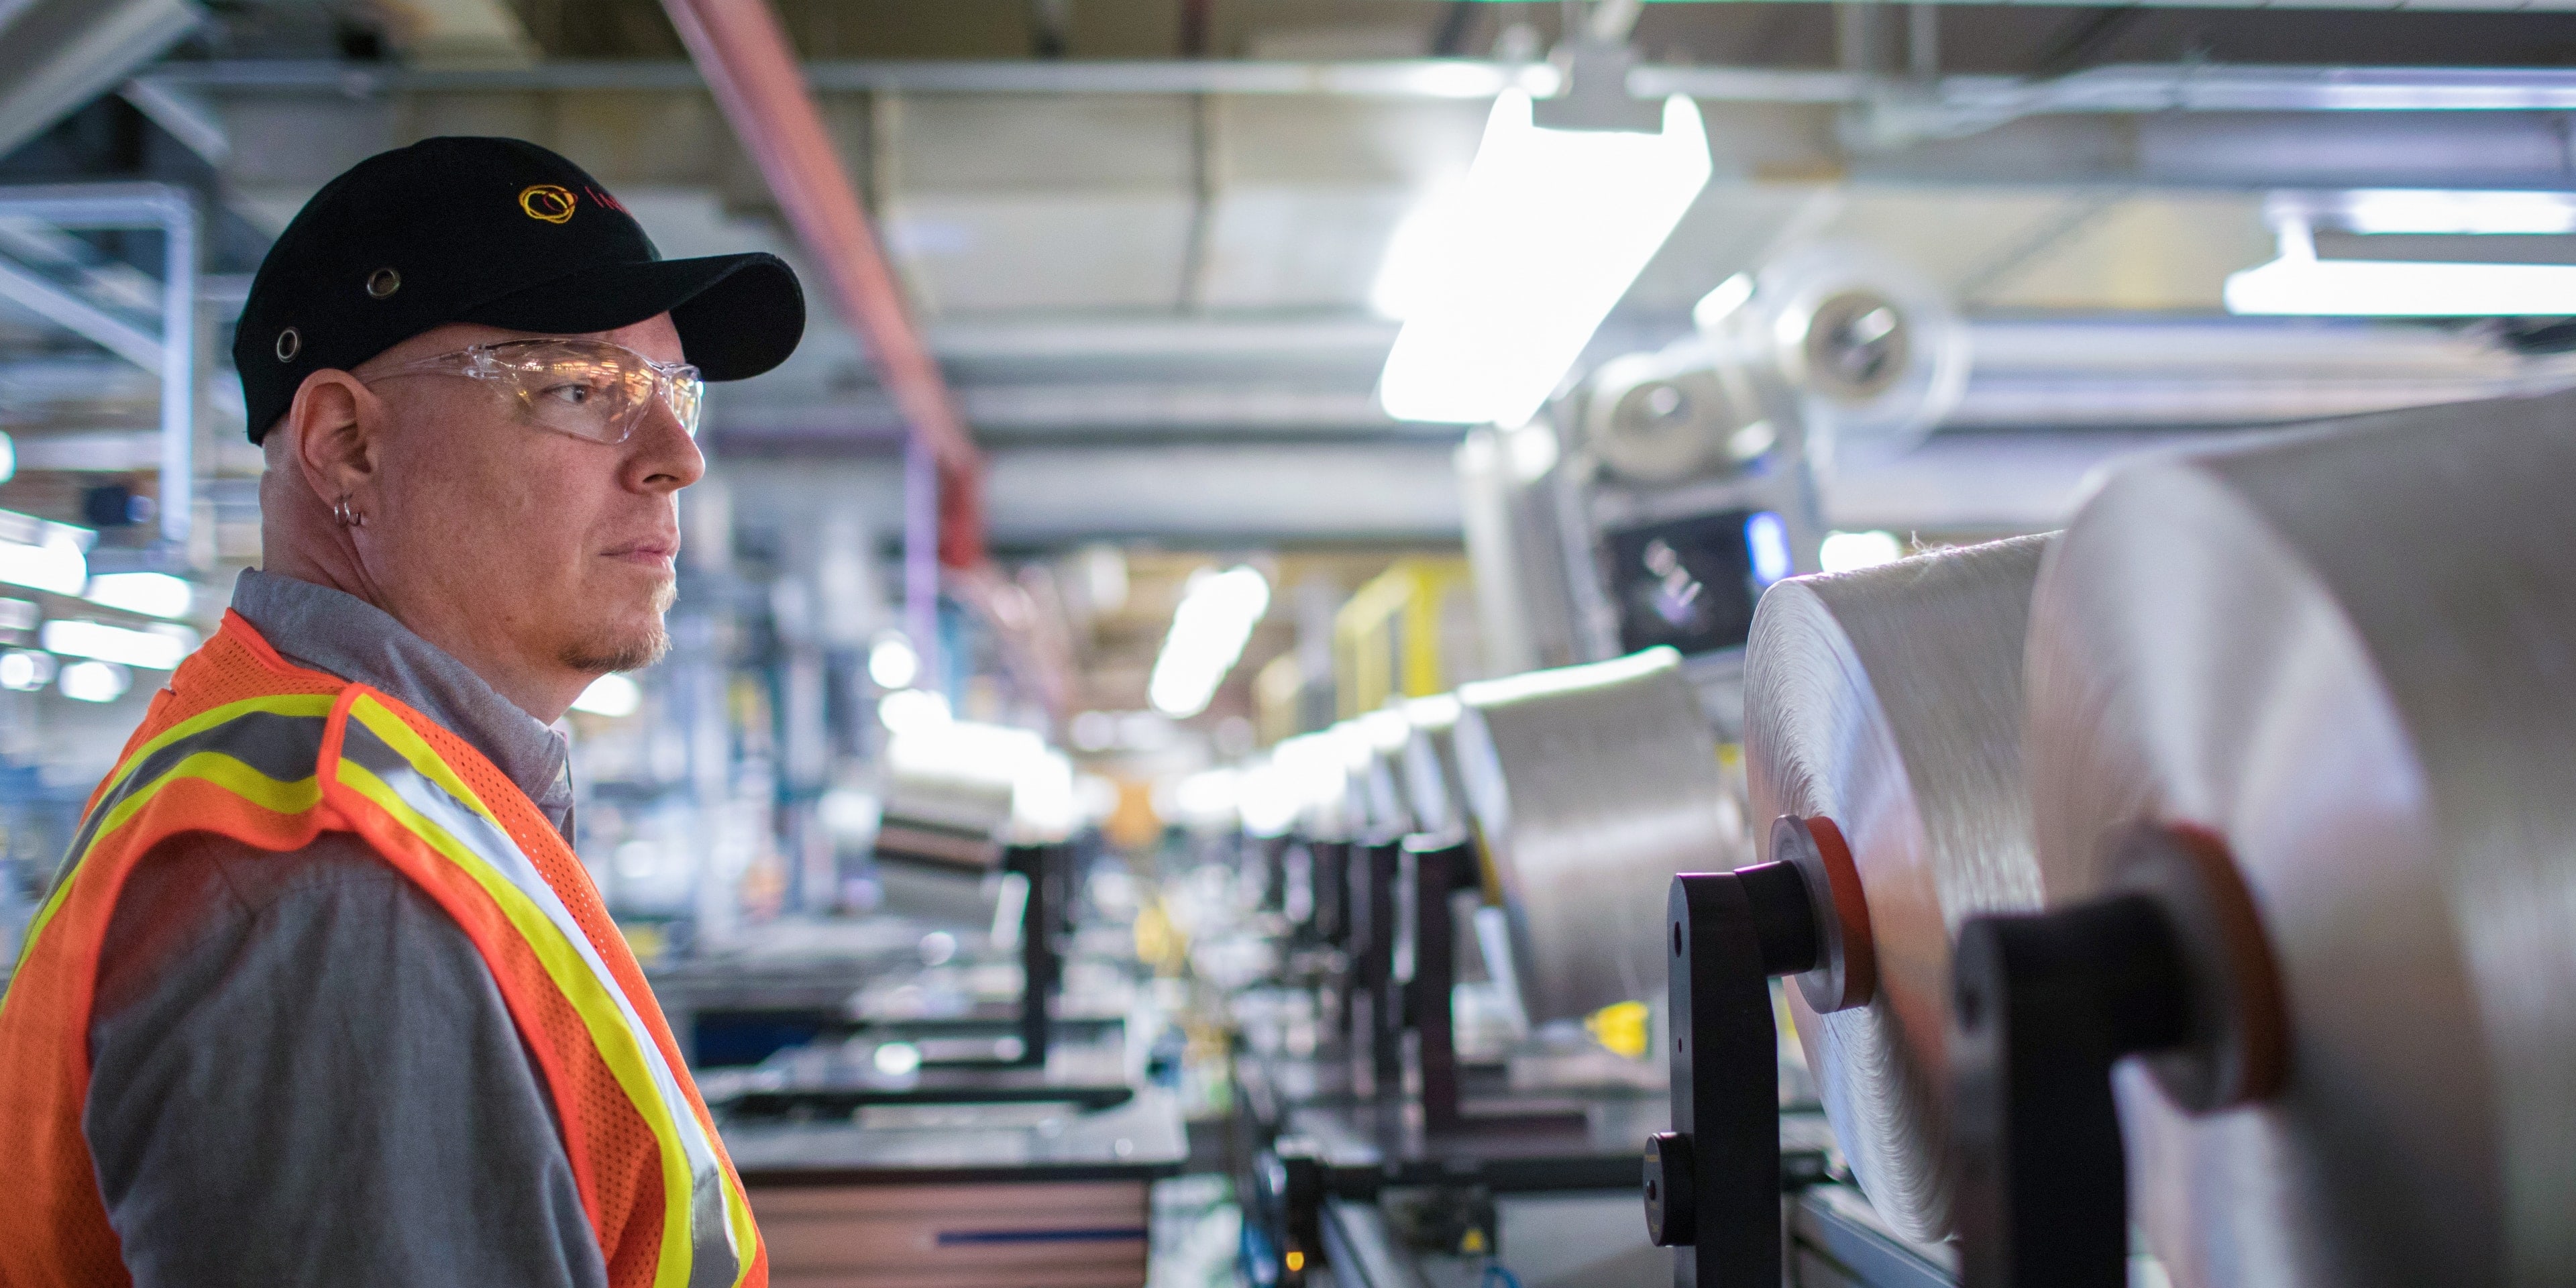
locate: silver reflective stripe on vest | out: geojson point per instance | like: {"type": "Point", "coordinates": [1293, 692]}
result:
{"type": "Point", "coordinates": [281, 747]}
{"type": "Point", "coordinates": [714, 1262]}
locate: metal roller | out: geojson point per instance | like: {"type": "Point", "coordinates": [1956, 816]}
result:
{"type": "Point", "coordinates": [1884, 708]}
{"type": "Point", "coordinates": [2347, 663]}
{"type": "Point", "coordinates": [1592, 786]}
{"type": "Point", "coordinates": [949, 793]}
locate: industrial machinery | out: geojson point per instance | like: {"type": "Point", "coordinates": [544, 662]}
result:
{"type": "Point", "coordinates": [1659, 499]}
{"type": "Point", "coordinates": [2305, 851]}
{"type": "Point", "coordinates": [2233, 796]}
{"type": "Point", "coordinates": [1521, 799]}
{"type": "Point", "coordinates": [1883, 739]}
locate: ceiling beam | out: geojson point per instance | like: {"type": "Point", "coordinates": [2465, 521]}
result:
{"type": "Point", "coordinates": [57, 55]}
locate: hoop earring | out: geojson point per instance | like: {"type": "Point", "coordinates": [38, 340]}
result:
{"type": "Point", "coordinates": [347, 514]}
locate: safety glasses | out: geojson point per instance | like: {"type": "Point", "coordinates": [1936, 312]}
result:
{"type": "Point", "coordinates": [586, 388]}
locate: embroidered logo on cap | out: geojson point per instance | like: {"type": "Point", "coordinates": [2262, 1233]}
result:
{"type": "Point", "coordinates": [548, 202]}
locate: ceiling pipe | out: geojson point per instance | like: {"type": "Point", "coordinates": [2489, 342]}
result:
{"type": "Point", "coordinates": [740, 49]}
{"type": "Point", "coordinates": [2130, 88]}
{"type": "Point", "coordinates": [2145, 372]}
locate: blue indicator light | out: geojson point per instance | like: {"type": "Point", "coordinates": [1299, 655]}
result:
{"type": "Point", "coordinates": [1766, 539]}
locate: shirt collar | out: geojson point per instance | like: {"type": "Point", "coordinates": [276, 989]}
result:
{"type": "Point", "coordinates": [328, 630]}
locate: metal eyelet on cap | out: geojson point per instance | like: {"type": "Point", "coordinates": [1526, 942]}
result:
{"type": "Point", "coordinates": [383, 282]}
{"type": "Point", "coordinates": [290, 342]}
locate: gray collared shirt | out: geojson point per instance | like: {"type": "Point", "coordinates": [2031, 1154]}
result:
{"type": "Point", "coordinates": [326, 630]}
{"type": "Point", "coordinates": [302, 1070]}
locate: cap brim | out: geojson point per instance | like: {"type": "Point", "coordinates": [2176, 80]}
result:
{"type": "Point", "coordinates": [737, 315]}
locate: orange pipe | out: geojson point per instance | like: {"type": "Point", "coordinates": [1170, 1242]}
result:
{"type": "Point", "coordinates": [744, 55]}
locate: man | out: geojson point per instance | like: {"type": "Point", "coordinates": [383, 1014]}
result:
{"type": "Point", "coordinates": [321, 995]}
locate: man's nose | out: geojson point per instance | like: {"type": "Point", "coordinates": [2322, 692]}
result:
{"type": "Point", "coordinates": [662, 456]}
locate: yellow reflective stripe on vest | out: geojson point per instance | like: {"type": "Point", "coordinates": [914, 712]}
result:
{"type": "Point", "coordinates": [262, 750]}
{"type": "Point", "coordinates": [382, 759]}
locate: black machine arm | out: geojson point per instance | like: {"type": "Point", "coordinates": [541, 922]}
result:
{"type": "Point", "coordinates": [1041, 956]}
{"type": "Point", "coordinates": [1289, 1186]}
{"type": "Point", "coordinates": [1329, 874]}
{"type": "Point", "coordinates": [1713, 1182]}
{"type": "Point", "coordinates": [1047, 871]}
{"type": "Point", "coordinates": [1375, 869]}
{"type": "Point", "coordinates": [1441, 867]}
{"type": "Point", "coordinates": [2171, 965]}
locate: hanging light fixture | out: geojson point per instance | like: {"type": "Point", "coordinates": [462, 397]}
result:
{"type": "Point", "coordinates": [1502, 282]}
{"type": "Point", "coordinates": [2297, 283]}
{"type": "Point", "coordinates": [1217, 613]}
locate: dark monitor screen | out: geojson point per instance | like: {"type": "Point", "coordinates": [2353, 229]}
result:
{"type": "Point", "coordinates": [1691, 583]}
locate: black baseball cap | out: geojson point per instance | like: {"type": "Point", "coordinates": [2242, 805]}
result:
{"type": "Point", "coordinates": [494, 231]}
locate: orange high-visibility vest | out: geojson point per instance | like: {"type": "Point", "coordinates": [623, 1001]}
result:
{"type": "Point", "coordinates": [247, 745]}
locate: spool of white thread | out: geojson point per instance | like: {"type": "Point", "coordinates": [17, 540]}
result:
{"type": "Point", "coordinates": [1888, 702]}
{"type": "Point", "coordinates": [2350, 658]}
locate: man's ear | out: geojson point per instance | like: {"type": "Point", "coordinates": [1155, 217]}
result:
{"type": "Point", "coordinates": [335, 426]}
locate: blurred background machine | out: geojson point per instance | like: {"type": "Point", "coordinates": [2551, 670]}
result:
{"type": "Point", "coordinates": [1182, 783]}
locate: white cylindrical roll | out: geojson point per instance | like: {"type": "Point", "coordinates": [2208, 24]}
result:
{"type": "Point", "coordinates": [1372, 802]}
{"type": "Point", "coordinates": [1431, 765]}
{"type": "Point", "coordinates": [2350, 657]}
{"type": "Point", "coordinates": [1379, 771]}
{"type": "Point", "coordinates": [949, 793]}
{"type": "Point", "coordinates": [1592, 786]}
{"type": "Point", "coordinates": [1311, 780]}
{"type": "Point", "coordinates": [1889, 701]}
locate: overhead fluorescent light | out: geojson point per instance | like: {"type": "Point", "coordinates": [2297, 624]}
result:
{"type": "Point", "coordinates": [2408, 210]}
{"type": "Point", "coordinates": [1408, 278]}
{"type": "Point", "coordinates": [2300, 284]}
{"type": "Point", "coordinates": [157, 648]}
{"type": "Point", "coordinates": [153, 594]}
{"type": "Point", "coordinates": [43, 555]}
{"type": "Point", "coordinates": [611, 695]}
{"type": "Point", "coordinates": [1215, 620]}
{"type": "Point", "coordinates": [1503, 282]}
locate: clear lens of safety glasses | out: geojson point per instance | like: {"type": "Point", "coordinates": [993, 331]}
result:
{"type": "Point", "coordinates": [586, 388]}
